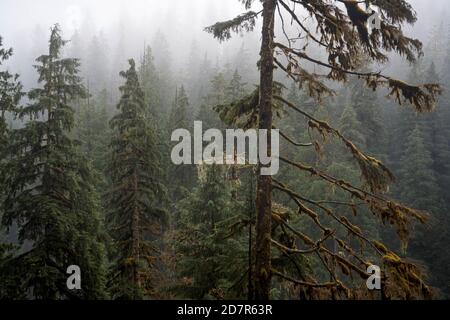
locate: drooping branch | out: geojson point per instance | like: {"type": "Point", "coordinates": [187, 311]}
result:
{"type": "Point", "coordinates": [376, 175]}
{"type": "Point", "coordinates": [292, 141]}
{"type": "Point", "coordinates": [422, 97]}
{"type": "Point", "coordinates": [388, 211]}
{"type": "Point", "coordinates": [245, 22]}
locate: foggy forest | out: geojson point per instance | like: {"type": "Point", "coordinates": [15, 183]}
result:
{"type": "Point", "coordinates": [92, 93]}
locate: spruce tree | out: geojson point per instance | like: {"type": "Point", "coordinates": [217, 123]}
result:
{"type": "Point", "coordinates": [49, 190]}
{"type": "Point", "coordinates": [136, 214]}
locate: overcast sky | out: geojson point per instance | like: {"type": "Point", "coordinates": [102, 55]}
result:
{"type": "Point", "coordinates": [182, 22]}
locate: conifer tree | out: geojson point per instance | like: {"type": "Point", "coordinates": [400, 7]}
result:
{"type": "Point", "coordinates": [149, 80]}
{"type": "Point", "coordinates": [183, 177]}
{"type": "Point", "coordinates": [236, 87]}
{"type": "Point", "coordinates": [179, 116]}
{"type": "Point", "coordinates": [217, 95]}
{"type": "Point", "coordinates": [339, 29]}
{"type": "Point", "coordinates": [162, 62]}
{"type": "Point", "coordinates": [212, 252]}
{"type": "Point", "coordinates": [92, 131]}
{"type": "Point", "coordinates": [49, 190]}
{"type": "Point", "coordinates": [97, 65]}
{"type": "Point", "coordinates": [438, 130]}
{"type": "Point", "coordinates": [351, 127]}
{"type": "Point", "coordinates": [419, 184]}
{"type": "Point", "coordinates": [10, 94]}
{"type": "Point", "coordinates": [136, 197]}
{"type": "Point", "coordinates": [366, 105]}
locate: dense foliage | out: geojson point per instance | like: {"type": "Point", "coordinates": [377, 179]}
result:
{"type": "Point", "coordinates": [86, 177]}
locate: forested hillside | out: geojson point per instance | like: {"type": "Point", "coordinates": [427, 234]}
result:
{"type": "Point", "coordinates": [87, 176]}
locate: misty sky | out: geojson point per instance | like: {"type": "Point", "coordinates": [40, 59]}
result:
{"type": "Point", "coordinates": [24, 24]}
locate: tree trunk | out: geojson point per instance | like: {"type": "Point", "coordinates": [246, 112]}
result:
{"type": "Point", "coordinates": [135, 234]}
{"type": "Point", "coordinates": [264, 187]}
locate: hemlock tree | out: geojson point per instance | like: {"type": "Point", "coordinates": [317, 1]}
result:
{"type": "Point", "coordinates": [136, 216]}
{"type": "Point", "coordinates": [49, 190]}
{"type": "Point", "coordinates": [338, 29]}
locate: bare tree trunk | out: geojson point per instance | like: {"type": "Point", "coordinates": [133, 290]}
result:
{"type": "Point", "coordinates": [264, 187]}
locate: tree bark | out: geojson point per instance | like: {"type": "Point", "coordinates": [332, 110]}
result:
{"type": "Point", "coordinates": [135, 237]}
{"type": "Point", "coordinates": [264, 188]}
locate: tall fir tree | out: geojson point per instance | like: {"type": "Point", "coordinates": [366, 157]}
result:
{"type": "Point", "coordinates": [136, 197]}
{"type": "Point", "coordinates": [49, 190]}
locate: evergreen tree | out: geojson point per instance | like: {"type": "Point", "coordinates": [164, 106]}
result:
{"type": "Point", "coordinates": [217, 95]}
{"type": "Point", "coordinates": [183, 177]}
{"type": "Point", "coordinates": [49, 190]}
{"type": "Point", "coordinates": [235, 88]}
{"type": "Point", "coordinates": [419, 187]}
{"type": "Point", "coordinates": [418, 181]}
{"type": "Point", "coordinates": [366, 105]}
{"type": "Point", "coordinates": [438, 129]}
{"type": "Point", "coordinates": [10, 94]}
{"type": "Point", "coordinates": [212, 257]}
{"type": "Point", "coordinates": [179, 116]}
{"type": "Point", "coordinates": [92, 131]}
{"type": "Point", "coordinates": [97, 65]}
{"type": "Point", "coordinates": [136, 214]}
{"type": "Point", "coordinates": [162, 62]}
{"type": "Point", "coordinates": [149, 80]}
{"type": "Point", "coordinates": [351, 127]}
